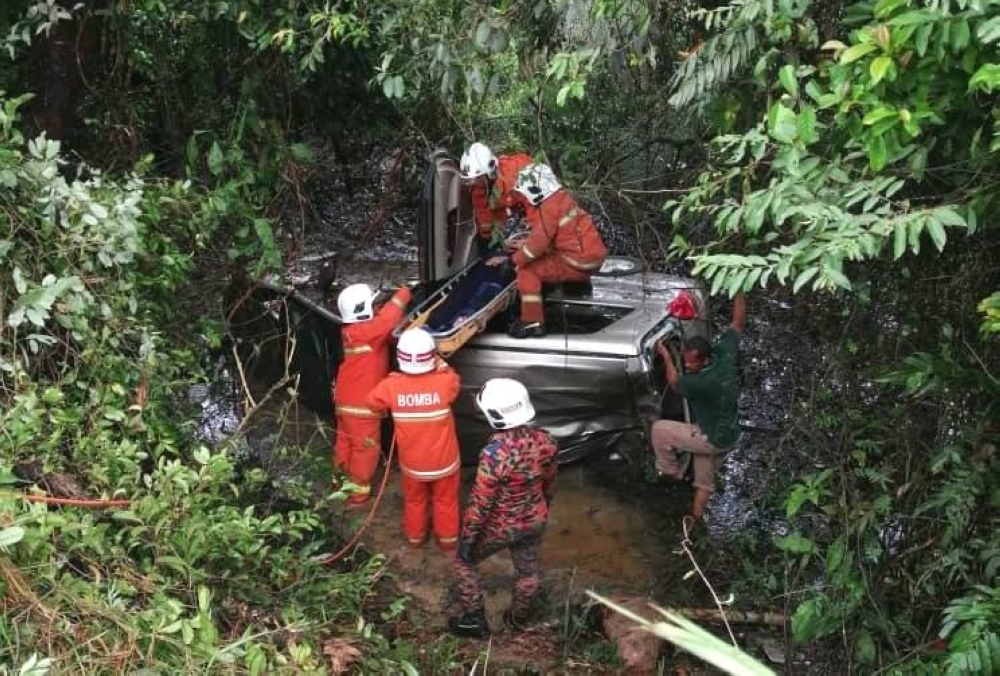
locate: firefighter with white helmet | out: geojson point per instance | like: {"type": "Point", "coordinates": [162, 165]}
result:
{"type": "Point", "coordinates": [563, 245]}
{"type": "Point", "coordinates": [508, 507]}
{"type": "Point", "coordinates": [491, 179]}
{"type": "Point", "coordinates": [420, 397]}
{"type": "Point", "coordinates": [365, 337]}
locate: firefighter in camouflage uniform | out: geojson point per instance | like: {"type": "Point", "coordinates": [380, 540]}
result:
{"type": "Point", "coordinates": [508, 507]}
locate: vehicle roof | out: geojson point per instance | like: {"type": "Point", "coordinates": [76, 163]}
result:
{"type": "Point", "coordinates": [647, 294]}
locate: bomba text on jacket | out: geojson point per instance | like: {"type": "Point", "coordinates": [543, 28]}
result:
{"type": "Point", "coordinates": [418, 399]}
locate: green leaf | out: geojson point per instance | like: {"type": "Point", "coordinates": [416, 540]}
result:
{"type": "Point", "coordinates": [561, 96]}
{"type": "Point", "coordinates": [922, 38]}
{"type": "Point", "coordinates": [795, 544]}
{"type": "Point", "coordinates": [987, 78]}
{"type": "Point", "coordinates": [482, 35]}
{"type": "Point", "coordinates": [937, 233]}
{"type": "Point", "coordinates": [950, 217]}
{"type": "Point", "coordinates": [807, 620]}
{"type": "Point", "coordinates": [879, 113]}
{"type": "Point", "coordinates": [852, 54]}
{"type": "Point", "coordinates": [835, 556]}
{"type": "Point", "coordinates": [989, 31]}
{"type": "Point", "coordinates": [914, 228]}
{"type": "Point", "coordinates": [782, 123]}
{"type": "Point", "coordinates": [807, 125]}
{"type": "Point", "coordinates": [884, 8]}
{"type": "Point", "coordinates": [915, 18]}
{"type": "Point", "coordinates": [788, 80]}
{"type": "Point", "coordinates": [837, 277]}
{"type": "Point", "coordinates": [898, 239]}
{"type": "Point", "coordinates": [960, 35]}
{"type": "Point", "coordinates": [864, 647]}
{"type": "Point", "coordinates": [11, 535]}
{"type": "Point", "coordinates": [879, 68]}
{"type": "Point", "coordinates": [215, 159]}
{"type": "Point", "coordinates": [877, 153]}
{"type": "Point", "coordinates": [803, 278]}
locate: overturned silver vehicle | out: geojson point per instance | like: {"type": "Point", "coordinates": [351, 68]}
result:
{"type": "Point", "coordinates": [594, 379]}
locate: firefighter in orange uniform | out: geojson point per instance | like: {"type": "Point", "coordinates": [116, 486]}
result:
{"type": "Point", "coordinates": [492, 179]}
{"type": "Point", "coordinates": [420, 399]}
{"type": "Point", "coordinates": [365, 337]}
{"type": "Point", "coordinates": [563, 245]}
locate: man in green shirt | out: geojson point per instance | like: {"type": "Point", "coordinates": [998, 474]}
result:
{"type": "Point", "coordinates": [711, 386]}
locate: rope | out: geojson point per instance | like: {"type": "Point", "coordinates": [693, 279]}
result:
{"type": "Point", "coordinates": [331, 558]}
{"type": "Point", "coordinates": [89, 503]}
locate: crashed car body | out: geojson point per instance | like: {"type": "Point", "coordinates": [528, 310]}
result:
{"type": "Point", "coordinates": [594, 378]}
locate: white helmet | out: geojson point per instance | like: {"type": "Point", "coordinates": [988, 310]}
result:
{"type": "Point", "coordinates": [505, 403]}
{"type": "Point", "coordinates": [355, 303]}
{"type": "Point", "coordinates": [416, 351]}
{"type": "Point", "coordinates": [478, 161]}
{"type": "Point", "coordinates": [537, 183]}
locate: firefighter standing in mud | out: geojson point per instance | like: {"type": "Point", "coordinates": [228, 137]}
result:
{"type": "Point", "coordinates": [491, 179]}
{"type": "Point", "coordinates": [366, 361]}
{"type": "Point", "coordinates": [420, 399]}
{"type": "Point", "coordinates": [563, 244]}
{"type": "Point", "coordinates": [508, 507]}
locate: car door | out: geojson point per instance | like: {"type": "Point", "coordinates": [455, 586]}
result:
{"type": "Point", "coordinates": [446, 232]}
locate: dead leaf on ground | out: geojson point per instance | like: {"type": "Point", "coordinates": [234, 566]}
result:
{"type": "Point", "coordinates": [341, 655]}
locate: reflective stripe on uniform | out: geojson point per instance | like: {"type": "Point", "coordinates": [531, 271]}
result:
{"type": "Point", "coordinates": [398, 303]}
{"type": "Point", "coordinates": [358, 349]}
{"type": "Point", "coordinates": [357, 411]}
{"type": "Point", "coordinates": [422, 415]}
{"type": "Point", "coordinates": [528, 254]}
{"type": "Point", "coordinates": [447, 541]}
{"type": "Point", "coordinates": [573, 263]}
{"type": "Point", "coordinates": [570, 215]}
{"type": "Point", "coordinates": [531, 298]}
{"type": "Point", "coordinates": [431, 475]}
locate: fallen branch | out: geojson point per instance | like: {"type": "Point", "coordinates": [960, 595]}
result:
{"type": "Point", "coordinates": [299, 298]}
{"type": "Point", "coordinates": [739, 616]}
{"type": "Point", "coordinates": [90, 503]}
{"type": "Point", "coordinates": [692, 638]}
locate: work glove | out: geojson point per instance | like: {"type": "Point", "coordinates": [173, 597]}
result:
{"type": "Point", "coordinates": [464, 553]}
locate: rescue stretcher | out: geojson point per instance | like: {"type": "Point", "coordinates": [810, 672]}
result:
{"type": "Point", "coordinates": [464, 305]}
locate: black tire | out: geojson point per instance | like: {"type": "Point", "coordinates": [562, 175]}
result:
{"type": "Point", "coordinates": [620, 266]}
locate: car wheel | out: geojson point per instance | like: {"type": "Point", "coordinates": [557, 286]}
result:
{"type": "Point", "coordinates": [620, 266]}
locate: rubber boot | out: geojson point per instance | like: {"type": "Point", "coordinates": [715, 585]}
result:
{"type": "Point", "coordinates": [519, 621]}
{"type": "Point", "coordinates": [470, 625]}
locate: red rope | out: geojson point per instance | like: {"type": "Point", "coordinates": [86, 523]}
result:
{"type": "Point", "coordinates": [331, 558]}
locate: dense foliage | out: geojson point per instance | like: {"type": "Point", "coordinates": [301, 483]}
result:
{"type": "Point", "coordinates": [844, 151]}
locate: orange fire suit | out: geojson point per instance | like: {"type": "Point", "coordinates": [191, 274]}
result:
{"type": "Point", "coordinates": [488, 196]}
{"type": "Point", "coordinates": [366, 362]}
{"type": "Point", "coordinates": [563, 246]}
{"type": "Point", "coordinates": [428, 449]}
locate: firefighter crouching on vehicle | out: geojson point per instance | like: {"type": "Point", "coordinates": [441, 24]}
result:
{"type": "Point", "coordinates": [365, 337]}
{"type": "Point", "coordinates": [563, 245]}
{"type": "Point", "coordinates": [508, 507]}
{"type": "Point", "coordinates": [420, 400]}
{"type": "Point", "coordinates": [491, 179]}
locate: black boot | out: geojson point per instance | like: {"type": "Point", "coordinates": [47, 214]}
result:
{"type": "Point", "coordinates": [521, 620]}
{"type": "Point", "coordinates": [470, 625]}
{"type": "Point", "coordinates": [523, 329]}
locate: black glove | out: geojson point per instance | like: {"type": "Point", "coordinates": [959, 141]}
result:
{"type": "Point", "coordinates": [464, 553]}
